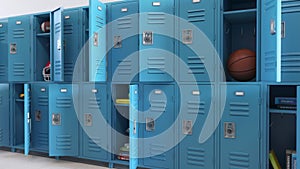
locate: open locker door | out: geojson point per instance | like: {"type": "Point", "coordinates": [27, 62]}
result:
{"type": "Point", "coordinates": [4, 115]}
{"type": "Point", "coordinates": [133, 117]}
{"type": "Point", "coordinates": [27, 119]}
{"type": "Point", "coordinates": [97, 42]}
{"type": "Point", "coordinates": [271, 41]}
{"type": "Point", "coordinates": [57, 47]}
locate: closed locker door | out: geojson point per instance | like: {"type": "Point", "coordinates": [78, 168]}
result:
{"type": "Point", "coordinates": [240, 127]}
{"type": "Point", "coordinates": [156, 40]}
{"type": "Point", "coordinates": [94, 121]}
{"type": "Point", "coordinates": [196, 106]}
{"type": "Point", "coordinates": [3, 52]}
{"type": "Point", "coordinates": [290, 63]}
{"type": "Point", "coordinates": [197, 30]}
{"type": "Point", "coordinates": [97, 60]}
{"type": "Point", "coordinates": [19, 58]}
{"type": "Point", "coordinates": [73, 43]}
{"type": "Point", "coordinates": [124, 59]}
{"type": "Point", "coordinates": [4, 115]}
{"type": "Point", "coordinates": [57, 45]}
{"type": "Point", "coordinates": [158, 116]}
{"type": "Point", "coordinates": [40, 117]}
{"type": "Point", "coordinates": [63, 122]}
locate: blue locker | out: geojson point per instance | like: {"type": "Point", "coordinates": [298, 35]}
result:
{"type": "Point", "coordinates": [297, 127]}
{"type": "Point", "coordinates": [157, 42]}
{"type": "Point", "coordinates": [133, 131]}
{"type": "Point", "coordinates": [196, 106]}
{"type": "Point", "coordinates": [199, 17]}
{"type": "Point", "coordinates": [19, 47]}
{"type": "Point", "coordinates": [27, 118]}
{"type": "Point", "coordinates": [93, 120]}
{"type": "Point", "coordinates": [97, 51]}
{"type": "Point", "coordinates": [158, 116]}
{"type": "Point", "coordinates": [271, 40]}
{"type": "Point", "coordinates": [3, 52]}
{"type": "Point", "coordinates": [124, 36]}
{"type": "Point", "coordinates": [39, 114]}
{"type": "Point", "coordinates": [240, 126]}
{"type": "Point", "coordinates": [290, 63]}
{"type": "Point", "coordinates": [63, 122]}
{"type": "Point", "coordinates": [4, 115]}
{"type": "Point", "coordinates": [57, 45]}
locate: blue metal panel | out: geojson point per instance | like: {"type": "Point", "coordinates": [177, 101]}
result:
{"type": "Point", "coordinates": [93, 118]}
{"type": "Point", "coordinates": [57, 48]}
{"type": "Point", "coordinates": [40, 117]}
{"type": "Point", "coordinates": [19, 58]}
{"type": "Point", "coordinates": [271, 41]}
{"type": "Point", "coordinates": [63, 122]}
{"type": "Point", "coordinates": [156, 39]}
{"type": "Point", "coordinates": [158, 104]}
{"type": "Point", "coordinates": [3, 52]}
{"type": "Point", "coordinates": [201, 19]}
{"type": "Point", "coordinates": [298, 126]}
{"type": "Point", "coordinates": [27, 120]}
{"type": "Point", "coordinates": [240, 126]}
{"type": "Point", "coordinates": [290, 63]}
{"type": "Point", "coordinates": [125, 38]}
{"type": "Point", "coordinates": [4, 115]}
{"type": "Point", "coordinates": [97, 41]}
{"type": "Point", "coordinates": [133, 117]}
{"type": "Point", "coordinates": [196, 105]}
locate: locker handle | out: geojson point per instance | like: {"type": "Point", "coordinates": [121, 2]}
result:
{"type": "Point", "coordinates": [283, 29]}
{"type": "Point", "coordinates": [273, 27]}
{"type": "Point", "coordinates": [134, 127]}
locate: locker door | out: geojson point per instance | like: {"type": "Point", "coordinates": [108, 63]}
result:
{"type": "Point", "coordinates": [158, 102]}
{"type": "Point", "coordinates": [4, 115]}
{"type": "Point", "coordinates": [19, 39]}
{"type": "Point", "coordinates": [196, 106]}
{"type": "Point", "coordinates": [133, 128]}
{"type": "Point", "coordinates": [40, 117]}
{"type": "Point", "coordinates": [63, 122]}
{"type": "Point", "coordinates": [73, 40]}
{"type": "Point", "coordinates": [240, 126]}
{"type": "Point", "coordinates": [95, 112]}
{"type": "Point", "coordinates": [298, 126]}
{"type": "Point", "coordinates": [154, 21]}
{"type": "Point", "coordinates": [200, 16]}
{"type": "Point", "coordinates": [27, 118]}
{"type": "Point", "coordinates": [97, 41]}
{"type": "Point", "coordinates": [271, 41]}
{"type": "Point", "coordinates": [57, 47]}
{"type": "Point", "coordinates": [124, 26]}
{"type": "Point", "coordinates": [3, 52]}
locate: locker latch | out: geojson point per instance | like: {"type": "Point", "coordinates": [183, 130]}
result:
{"type": "Point", "coordinates": [117, 41]}
{"type": "Point", "coordinates": [95, 39]}
{"type": "Point", "coordinates": [148, 38]}
{"type": "Point", "coordinates": [282, 29]}
{"type": "Point", "coordinates": [150, 124]}
{"type": "Point", "coordinates": [13, 48]}
{"type": "Point", "coordinates": [229, 130]}
{"type": "Point", "coordinates": [38, 115]}
{"type": "Point", "coordinates": [273, 27]}
{"type": "Point", "coordinates": [187, 36]}
{"type": "Point", "coordinates": [88, 120]}
{"type": "Point", "coordinates": [56, 119]}
{"type": "Point", "coordinates": [187, 127]}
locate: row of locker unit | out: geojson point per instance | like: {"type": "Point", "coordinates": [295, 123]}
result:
{"type": "Point", "coordinates": [162, 122]}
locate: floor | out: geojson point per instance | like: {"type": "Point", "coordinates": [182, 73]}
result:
{"type": "Point", "coordinates": [10, 160]}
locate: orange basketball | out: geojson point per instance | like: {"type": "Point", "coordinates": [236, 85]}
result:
{"type": "Point", "coordinates": [45, 26]}
{"type": "Point", "coordinates": [241, 65]}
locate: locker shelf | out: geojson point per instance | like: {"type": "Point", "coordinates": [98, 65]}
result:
{"type": "Point", "coordinates": [122, 105]}
{"type": "Point", "coordinates": [19, 100]}
{"type": "Point", "coordinates": [240, 15]}
{"type": "Point", "coordinates": [43, 35]}
{"type": "Point", "coordinates": [279, 111]}
{"type": "Point", "coordinates": [121, 162]}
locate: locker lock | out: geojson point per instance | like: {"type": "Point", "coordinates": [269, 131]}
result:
{"type": "Point", "coordinates": [187, 36]}
{"type": "Point", "coordinates": [56, 119]}
{"type": "Point", "coordinates": [147, 38]}
{"type": "Point", "coordinates": [88, 120]}
{"type": "Point", "coordinates": [117, 42]}
{"type": "Point", "coordinates": [150, 124]}
{"type": "Point", "coordinates": [13, 48]}
{"type": "Point", "coordinates": [229, 130]}
{"type": "Point", "coordinates": [38, 115]}
{"type": "Point", "coordinates": [187, 127]}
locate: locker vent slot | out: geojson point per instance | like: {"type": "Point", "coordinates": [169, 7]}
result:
{"type": "Point", "coordinates": [43, 100]}
{"type": "Point", "coordinates": [69, 67]}
{"type": "Point", "coordinates": [196, 107]}
{"type": "Point", "coordinates": [57, 28]}
{"type": "Point", "coordinates": [158, 149]}
{"type": "Point", "coordinates": [158, 106]}
{"type": "Point", "coordinates": [270, 61]}
{"type": "Point", "coordinates": [63, 142]}
{"type": "Point", "coordinates": [125, 23]}
{"type": "Point", "coordinates": [43, 139]}
{"type": "Point", "coordinates": [58, 66]}
{"type": "Point", "coordinates": [196, 156]}
{"type": "Point", "coordinates": [2, 36]}
{"type": "Point", "coordinates": [94, 103]}
{"type": "Point", "coordinates": [239, 109]}
{"type": "Point", "coordinates": [156, 18]}
{"type": "Point", "coordinates": [68, 29]}
{"type": "Point", "coordinates": [99, 22]}
{"type": "Point", "coordinates": [93, 145]}
{"type": "Point", "coordinates": [156, 65]}
{"type": "Point", "coordinates": [64, 102]}
{"type": "Point", "coordinates": [18, 33]}
{"type": "Point", "coordinates": [1, 135]}
{"type": "Point", "coordinates": [290, 62]}
{"type": "Point", "coordinates": [2, 70]}
{"type": "Point", "coordinates": [290, 6]}
{"type": "Point", "coordinates": [125, 67]}
{"type": "Point", "coordinates": [239, 160]}
{"type": "Point", "coordinates": [197, 15]}
{"type": "Point", "coordinates": [19, 69]}
{"type": "Point", "coordinates": [196, 65]}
